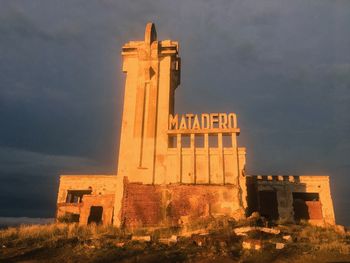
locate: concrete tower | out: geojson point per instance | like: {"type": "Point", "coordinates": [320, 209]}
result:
{"type": "Point", "coordinates": [176, 168]}
{"type": "Point", "coordinates": [152, 70]}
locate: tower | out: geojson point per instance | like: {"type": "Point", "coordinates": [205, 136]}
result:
{"type": "Point", "coordinates": [152, 70]}
{"type": "Point", "coordinates": [157, 170]}
{"type": "Point", "coordinates": [177, 168]}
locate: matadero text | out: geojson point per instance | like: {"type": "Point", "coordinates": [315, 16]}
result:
{"type": "Point", "coordinates": [206, 121]}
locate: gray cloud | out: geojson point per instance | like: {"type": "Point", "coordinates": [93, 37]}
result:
{"type": "Point", "coordinates": [16, 20]}
{"type": "Point", "coordinates": [282, 66]}
{"type": "Point", "coordinates": [18, 160]}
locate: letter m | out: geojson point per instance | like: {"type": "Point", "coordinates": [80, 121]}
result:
{"type": "Point", "coordinates": [173, 122]}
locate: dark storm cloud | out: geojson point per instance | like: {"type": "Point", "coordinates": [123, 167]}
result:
{"type": "Point", "coordinates": [282, 66]}
{"type": "Point", "coordinates": [16, 23]}
{"type": "Point", "coordinates": [17, 161]}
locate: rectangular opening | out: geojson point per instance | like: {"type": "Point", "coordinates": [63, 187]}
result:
{"type": "Point", "coordinates": [172, 141]}
{"type": "Point", "coordinates": [307, 206]}
{"type": "Point", "coordinates": [76, 196]}
{"type": "Point", "coordinates": [252, 195]}
{"type": "Point", "coordinates": [296, 179]}
{"type": "Point", "coordinates": [268, 206]}
{"type": "Point", "coordinates": [185, 141]}
{"type": "Point", "coordinates": [95, 215]}
{"type": "Point", "coordinates": [306, 196]}
{"type": "Point", "coordinates": [213, 141]}
{"type": "Point", "coordinates": [285, 178]}
{"type": "Point", "coordinates": [226, 141]}
{"type": "Point", "coordinates": [199, 141]}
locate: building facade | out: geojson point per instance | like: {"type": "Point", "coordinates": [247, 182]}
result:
{"type": "Point", "coordinates": [173, 168]}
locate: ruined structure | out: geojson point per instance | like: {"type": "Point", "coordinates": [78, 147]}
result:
{"type": "Point", "coordinates": [174, 168]}
{"type": "Point", "coordinates": [291, 198]}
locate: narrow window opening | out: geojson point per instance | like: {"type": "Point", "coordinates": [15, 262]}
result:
{"type": "Point", "coordinates": [199, 141]}
{"type": "Point", "coordinates": [76, 196]}
{"type": "Point", "coordinates": [185, 141]}
{"type": "Point", "coordinates": [213, 140]}
{"type": "Point", "coordinates": [172, 141]}
{"type": "Point", "coordinates": [226, 141]}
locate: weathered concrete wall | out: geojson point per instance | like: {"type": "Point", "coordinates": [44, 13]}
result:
{"type": "Point", "coordinates": [169, 178]}
{"type": "Point", "coordinates": [100, 184]}
{"type": "Point", "coordinates": [106, 201]}
{"type": "Point", "coordinates": [204, 165]}
{"type": "Point", "coordinates": [150, 205]}
{"type": "Point", "coordinates": [102, 194]}
{"type": "Point", "coordinates": [152, 70]}
{"type": "Point", "coordinates": [285, 186]}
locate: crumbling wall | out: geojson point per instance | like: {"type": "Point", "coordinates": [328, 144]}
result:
{"type": "Point", "coordinates": [102, 193]}
{"type": "Point", "coordinates": [151, 205]}
{"type": "Point", "coordinates": [321, 211]}
{"type": "Point", "coordinates": [99, 184]}
{"type": "Point", "coordinates": [106, 201]}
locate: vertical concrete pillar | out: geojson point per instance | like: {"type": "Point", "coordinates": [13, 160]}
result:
{"type": "Point", "coordinates": [193, 157]}
{"type": "Point", "coordinates": [285, 203]}
{"type": "Point", "coordinates": [235, 152]}
{"type": "Point", "coordinates": [221, 158]}
{"type": "Point", "coordinates": [179, 157]}
{"type": "Point", "coordinates": [207, 154]}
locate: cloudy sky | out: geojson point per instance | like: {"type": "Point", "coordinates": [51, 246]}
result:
{"type": "Point", "coordinates": [282, 66]}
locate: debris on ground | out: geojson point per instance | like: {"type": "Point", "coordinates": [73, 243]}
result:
{"type": "Point", "coordinates": [168, 241]}
{"type": "Point", "coordinates": [280, 245]}
{"type": "Point", "coordinates": [252, 244]}
{"type": "Point", "coordinates": [119, 244]}
{"type": "Point", "coordinates": [287, 237]}
{"type": "Point", "coordinates": [242, 231]}
{"type": "Point", "coordinates": [141, 238]}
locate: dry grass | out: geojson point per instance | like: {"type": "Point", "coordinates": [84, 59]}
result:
{"type": "Point", "coordinates": [324, 239]}
{"type": "Point", "coordinates": [30, 234]}
{"type": "Point", "coordinates": [71, 242]}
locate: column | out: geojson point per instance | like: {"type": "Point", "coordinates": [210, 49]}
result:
{"type": "Point", "coordinates": [207, 154]}
{"type": "Point", "coordinates": [179, 157]}
{"type": "Point", "coordinates": [221, 158]}
{"type": "Point", "coordinates": [193, 157]}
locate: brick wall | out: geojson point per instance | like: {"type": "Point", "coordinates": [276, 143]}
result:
{"type": "Point", "coordinates": [150, 205]}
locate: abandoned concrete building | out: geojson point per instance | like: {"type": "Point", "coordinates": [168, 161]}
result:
{"type": "Point", "coordinates": [173, 168]}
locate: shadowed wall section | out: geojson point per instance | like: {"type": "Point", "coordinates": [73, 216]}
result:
{"type": "Point", "coordinates": [298, 197]}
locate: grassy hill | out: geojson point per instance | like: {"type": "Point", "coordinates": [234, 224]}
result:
{"type": "Point", "coordinates": [206, 241]}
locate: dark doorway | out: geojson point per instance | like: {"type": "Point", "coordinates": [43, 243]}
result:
{"type": "Point", "coordinates": [252, 195]}
{"type": "Point", "coordinates": [95, 215]}
{"type": "Point", "coordinates": [307, 206]}
{"type": "Point", "coordinates": [268, 206]}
